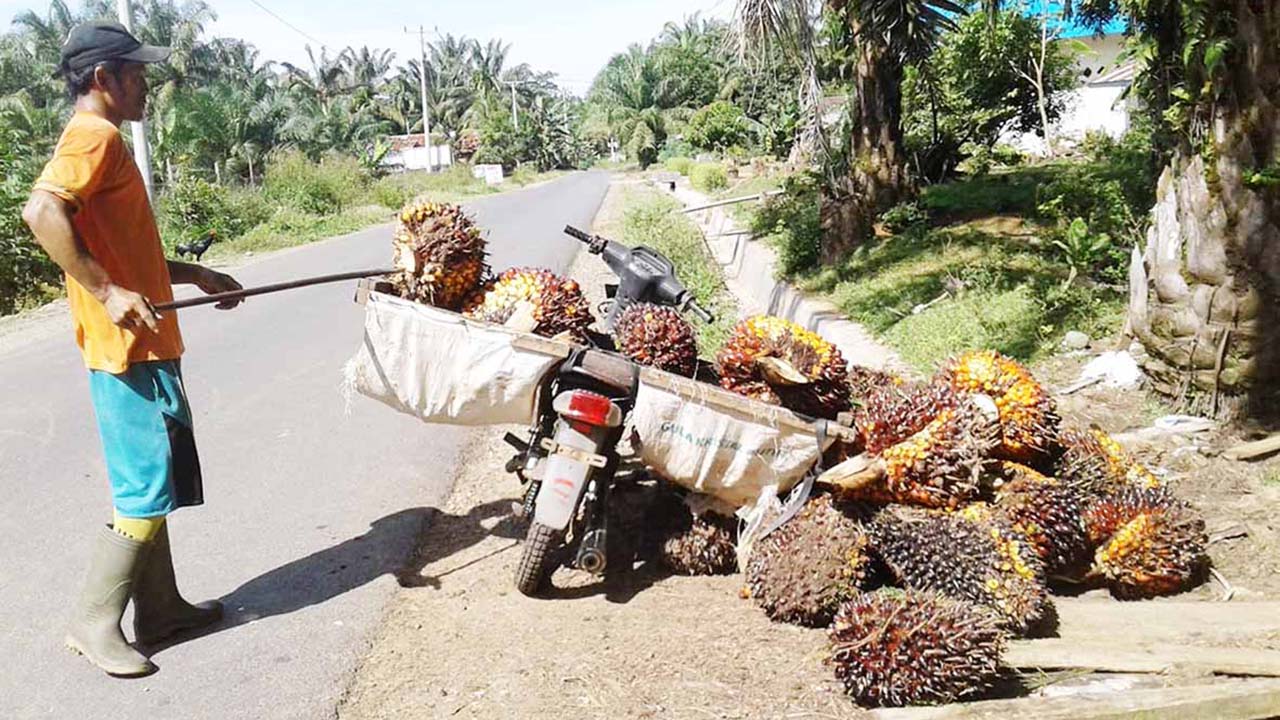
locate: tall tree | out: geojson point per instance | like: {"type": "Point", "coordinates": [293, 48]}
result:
{"type": "Point", "coordinates": [882, 37]}
{"type": "Point", "coordinates": [1205, 292]}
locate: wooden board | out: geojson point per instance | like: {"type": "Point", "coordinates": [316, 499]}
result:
{"type": "Point", "coordinates": [1236, 700]}
{"type": "Point", "coordinates": [1058, 654]}
{"type": "Point", "coordinates": [1120, 623]}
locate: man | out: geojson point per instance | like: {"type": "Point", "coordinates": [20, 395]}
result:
{"type": "Point", "coordinates": [89, 211]}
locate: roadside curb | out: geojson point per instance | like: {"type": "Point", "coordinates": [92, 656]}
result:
{"type": "Point", "coordinates": [750, 271]}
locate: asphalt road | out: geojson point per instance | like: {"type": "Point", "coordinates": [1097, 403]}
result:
{"type": "Point", "coordinates": [310, 506]}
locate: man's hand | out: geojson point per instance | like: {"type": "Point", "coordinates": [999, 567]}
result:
{"type": "Point", "coordinates": [129, 310]}
{"type": "Point", "coordinates": [213, 282]}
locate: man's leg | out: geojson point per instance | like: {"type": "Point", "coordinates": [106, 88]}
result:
{"type": "Point", "coordinates": [95, 626]}
{"type": "Point", "coordinates": [159, 610]}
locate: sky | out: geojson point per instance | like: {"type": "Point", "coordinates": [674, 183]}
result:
{"type": "Point", "coordinates": [571, 38]}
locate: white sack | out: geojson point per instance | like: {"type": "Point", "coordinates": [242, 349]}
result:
{"type": "Point", "coordinates": [442, 368]}
{"type": "Point", "coordinates": [714, 443]}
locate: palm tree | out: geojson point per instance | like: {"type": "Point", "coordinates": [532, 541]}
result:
{"type": "Point", "coordinates": [45, 34]}
{"type": "Point", "coordinates": [487, 63]}
{"type": "Point", "coordinates": [883, 37]}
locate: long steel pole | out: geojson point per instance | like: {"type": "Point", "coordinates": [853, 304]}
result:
{"type": "Point", "coordinates": [141, 151]}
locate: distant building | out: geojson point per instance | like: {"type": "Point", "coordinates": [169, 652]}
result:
{"type": "Point", "coordinates": [409, 153]}
{"type": "Point", "coordinates": [1098, 104]}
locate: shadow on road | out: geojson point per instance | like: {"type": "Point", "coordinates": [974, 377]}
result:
{"type": "Point", "coordinates": [354, 562]}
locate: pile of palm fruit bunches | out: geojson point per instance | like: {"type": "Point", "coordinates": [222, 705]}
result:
{"type": "Point", "coordinates": [934, 539]}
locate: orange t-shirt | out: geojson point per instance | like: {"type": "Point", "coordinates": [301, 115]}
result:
{"type": "Point", "coordinates": [94, 171]}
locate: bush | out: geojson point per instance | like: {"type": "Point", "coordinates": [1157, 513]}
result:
{"type": "Point", "coordinates": [903, 217]}
{"type": "Point", "coordinates": [718, 126]}
{"type": "Point", "coordinates": [318, 188]}
{"type": "Point", "coordinates": [790, 222]}
{"type": "Point", "coordinates": [676, 147]}
{"type": "Point", "coordinates": [680, 165]}
{"type": "Point", "coordinates": [192, 207]}
{"type": "Point", "coordinates": [708, 177]}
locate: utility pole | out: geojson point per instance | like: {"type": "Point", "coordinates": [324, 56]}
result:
{"type": "Point", "coordinates": [141, 151]}
{"type": "Point", "coordinates": [426, 115]}
{"type": "Point", "coordinates": [515, 119]}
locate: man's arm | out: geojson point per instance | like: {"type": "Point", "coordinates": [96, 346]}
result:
{"type": "Point", "coordinates": [210, 281]}
{"type": "Point", "coordinates": [49, 218]}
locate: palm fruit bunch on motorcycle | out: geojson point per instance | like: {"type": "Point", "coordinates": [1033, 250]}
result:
{"type": "Point", "coordinates": [803, 570]}
{"type": "Point", "coordinates": [779, 362]}
{"type": "Point", "coordinates": [534, 300]}
{"type": "Point", "coordinates": [657, 336]}
{"type": "Point", "coordinates": [971, 555]}
{"type": "Point", "coordinates": [893, 648]}
{"type": "Point", "coordinates": [439, 252]}
{"type": "Point", "coordinates": [1149, 542]}
{"type": "Point", "coordinates": [1028, 418]}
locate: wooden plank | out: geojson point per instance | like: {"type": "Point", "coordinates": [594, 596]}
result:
{"type": "Point", "coordinates": [1242, 700]}
{"type": "Point", "coordinates": [1058, 654]}
{"type": "Point", "coordinates": [1255, 449]}
{"type": "Point", "coordinates": [1164, 621]}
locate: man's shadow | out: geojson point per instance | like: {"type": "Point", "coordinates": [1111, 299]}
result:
{"type": "Point", "coordinates": [399, 544]}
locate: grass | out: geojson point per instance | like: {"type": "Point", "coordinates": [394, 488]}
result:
{"type": "Point", "coordinates": [655, 220]}
{"type": "Point", "coordinates": [288, 227]}
{"type": "Point", "coordinates": [984, 285]}
{"type": "Point", "coordinates": [997, 292]}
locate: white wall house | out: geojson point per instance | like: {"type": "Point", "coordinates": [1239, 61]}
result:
{"type": "Point", "coordinates": [409, 153]}
{"type": "Point", "coordinates": [1098, 104]}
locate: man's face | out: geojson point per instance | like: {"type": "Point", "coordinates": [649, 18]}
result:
{"type": "Point", "coordinates": [127, 90]}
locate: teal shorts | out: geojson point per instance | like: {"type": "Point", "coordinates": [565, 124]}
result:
{"type": "Point", "coordinates": [145, 425]}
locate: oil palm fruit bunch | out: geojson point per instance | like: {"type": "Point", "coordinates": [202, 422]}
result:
{"type": "Point", "coordinates": [913, 648]}
{"type": "Point", "coordinates": [1048, 512]}
{"type": "Point", "coordinates": [658, 337]}
{"type": "Point", "coordinates": [1093, 461]}
{"type": "Point", "coordinates": [779, 362]}
{"type": "Point", "coordinates": [942, 466]}
{"type": "Point", "coordinates": [892, 412]}
{"type": "Point", "coordinates": [1154, 543]}
{"type": "Point", "coordinates": [535, 300]}
{"type": "Point", "coordinates": [1028, 418]}
{"type": "Point", "coordinates": [440, 253]}
{"type": "Point", "coordinates": [703, 544]}
{"type": "Point", "coordinates": [863, 381]}
{"type": "Point", "coordinates": [971, 555]}
{"type": "Point", "coordinates": [802, 571]}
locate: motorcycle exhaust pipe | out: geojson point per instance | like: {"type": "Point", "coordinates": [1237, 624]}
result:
{"type": "Point", "coordinates": [591, 556]}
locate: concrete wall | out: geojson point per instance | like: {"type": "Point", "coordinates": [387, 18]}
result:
{"type": "Point", "coordinates": [415, 158]}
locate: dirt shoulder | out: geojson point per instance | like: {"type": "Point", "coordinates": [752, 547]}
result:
{"type": "Point", "coordinates": [459, 641]}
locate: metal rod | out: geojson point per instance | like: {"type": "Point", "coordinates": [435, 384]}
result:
{"type": "Point", "coordinates": [733, 201]}
{"type": "Point", "coordinates": [277, 287]}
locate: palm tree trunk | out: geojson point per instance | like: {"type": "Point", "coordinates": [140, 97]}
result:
{"type": "Point", "coordinates": [1205, 294]}
{"type": "Point", "coordinates": [877, 177]}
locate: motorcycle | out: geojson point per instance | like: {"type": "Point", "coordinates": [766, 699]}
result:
{"type": "Point", "coordinates": [569, 463]}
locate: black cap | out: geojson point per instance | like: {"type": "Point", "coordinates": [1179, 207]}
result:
{"type": "Point", "coordinates": [93, 42]}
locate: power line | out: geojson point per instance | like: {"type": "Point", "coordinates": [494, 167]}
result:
{"type": "Point", "coordinates": [288, 24]}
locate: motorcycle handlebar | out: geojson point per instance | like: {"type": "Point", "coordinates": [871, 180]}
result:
{"type": "Point", "coordinates": [572, 231]}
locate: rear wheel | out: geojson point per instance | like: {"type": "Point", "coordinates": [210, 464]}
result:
{"type": "Point", "coordinates": [537, 561]}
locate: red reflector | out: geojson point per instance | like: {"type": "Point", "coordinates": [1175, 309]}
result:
{"type": "Point", "coordinates": [589, 408]}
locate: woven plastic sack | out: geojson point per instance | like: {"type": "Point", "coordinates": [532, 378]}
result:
{"type": "Point", "coordinates": [443, 368]}
{"type": "Point", "coordinates": [717, 443]}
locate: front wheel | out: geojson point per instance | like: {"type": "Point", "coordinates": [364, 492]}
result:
{"type": "Point", "coordinates": [536, 563]}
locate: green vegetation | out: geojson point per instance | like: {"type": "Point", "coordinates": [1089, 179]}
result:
{"type": "Point", "coordinates": [708, 177]}
{"type": "Point", "coordinates": [655, 220]}
{"type": "Point", "coordinates": [1009, 260]}
{"type": "Point", "coordinates": [679, 164]}
{"type": "Point", "coordinates": [256, 151]}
